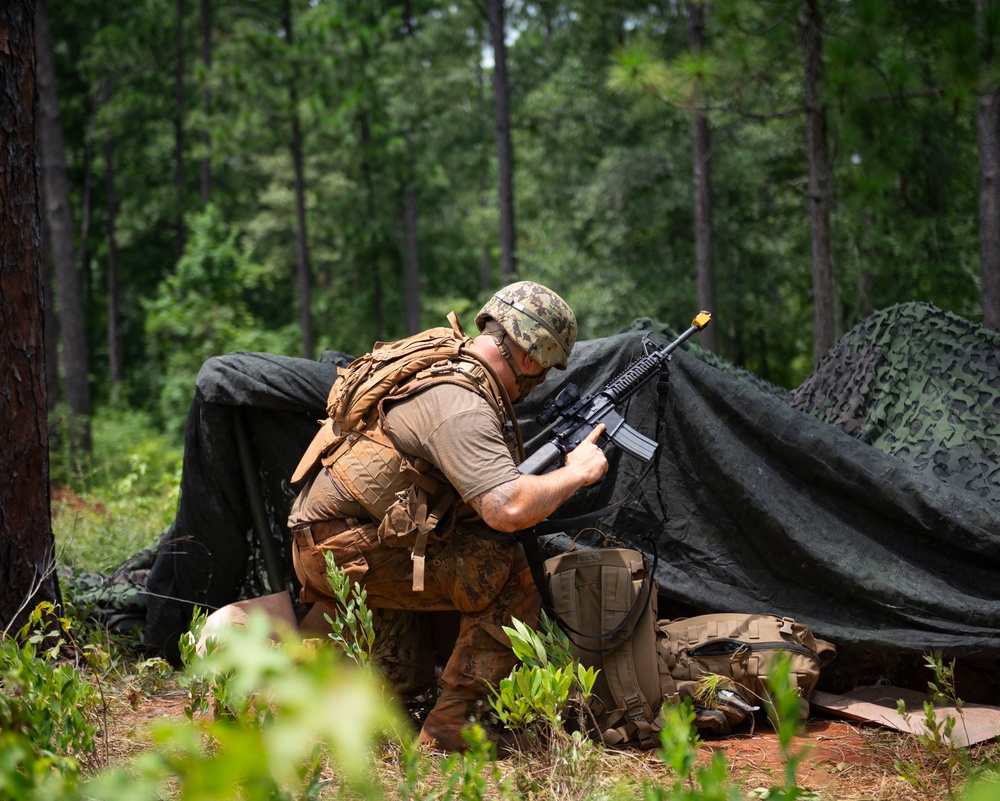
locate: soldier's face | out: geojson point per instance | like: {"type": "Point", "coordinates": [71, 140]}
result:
{"type": "Point", "coordinates": [532, 374]}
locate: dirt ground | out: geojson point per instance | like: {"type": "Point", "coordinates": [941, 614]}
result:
{"type": "Point", "coordinates": [844, 761]}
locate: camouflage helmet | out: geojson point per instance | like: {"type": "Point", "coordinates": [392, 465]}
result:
{"type": "Point", "coordinates": [536, 318]}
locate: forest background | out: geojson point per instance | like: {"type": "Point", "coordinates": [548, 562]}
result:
{"type": "Point", "coordinates": [294, 175]}
{"type": "Point", "coordinates": [288, 176]}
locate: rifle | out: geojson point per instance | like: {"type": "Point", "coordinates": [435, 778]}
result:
{"type": "Point", "coordinates": [571, 418]}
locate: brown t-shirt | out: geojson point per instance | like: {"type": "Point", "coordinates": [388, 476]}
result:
{"type": "Point", "coordinates": [453, 428]}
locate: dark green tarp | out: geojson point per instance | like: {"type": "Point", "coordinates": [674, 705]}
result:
{"type": "Point", "coordinates": [851, 513]}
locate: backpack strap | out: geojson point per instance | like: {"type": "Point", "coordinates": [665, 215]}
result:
{"type": "Point", "coordinates": [325, 439]}
{"type": "Point", "coordinates": [635, 719]}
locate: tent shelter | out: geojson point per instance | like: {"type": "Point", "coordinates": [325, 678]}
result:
{"type": "Point", "coordinates": [866, 503]}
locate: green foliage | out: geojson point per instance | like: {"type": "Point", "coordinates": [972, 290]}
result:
{"type": "Point", "coordinates": [203, 308]}
{"type": "Point", "coordinates": [679, 744]}
{"type": "Point", "coordinates": [540, 688]}
{"type": "Point", "coordinates": [784, 707]}
{"type": "Point", "coordinates": [114, 505]}
{"type": "Point", "coordinates": [532, 703]}
{"type": "Point", "coordinates": [25, 775]}
{"type": "Point", "coordinates": [395, 104]}
{"type": "Point", "coordinates": [468, 775]}
{"type": "Point", "coordinates": [352, 626]}
{"type": "Point", "coordinates": [48, 710]}
{"type": "Point", "coordinates": [297, 701]}
{"type": "Point", "coordinates": [941, 756]}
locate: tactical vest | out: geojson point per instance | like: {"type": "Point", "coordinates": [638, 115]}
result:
{"type": "Point", "coordinates": [410, 498]}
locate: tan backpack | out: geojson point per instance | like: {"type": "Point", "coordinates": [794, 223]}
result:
{"type": "Point", "coordinates": [439, 354]}
{"type": "Point", "coordinates": [605, 601]}
{"type": "Point", "coordinates": [739, 648]}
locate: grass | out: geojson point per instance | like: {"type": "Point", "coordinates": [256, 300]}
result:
{"type": "Point", "coordinates": [110, 507]}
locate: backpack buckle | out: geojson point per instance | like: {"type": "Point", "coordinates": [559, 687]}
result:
{"type": "Point", "coordinates": [443, 366]}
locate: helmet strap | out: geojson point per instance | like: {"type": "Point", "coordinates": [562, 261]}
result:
{"type": "Point", "coordinates": [525, 383]}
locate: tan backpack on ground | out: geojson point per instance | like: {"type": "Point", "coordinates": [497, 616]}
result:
{"type": "Point", "coordinates": [605, 601]}
{"type": "Point", "coordinates": [739, 648]}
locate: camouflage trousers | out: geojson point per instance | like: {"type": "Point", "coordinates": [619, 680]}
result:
{"type": "Point", "coordinates": [485, 581]}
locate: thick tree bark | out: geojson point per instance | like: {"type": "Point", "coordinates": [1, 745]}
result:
{"type": "Point", "coordinates": [505, 156]}
{"type": "Point", "coordinates": [179, 111]}
{"type": "Point", "coordinates": [205, 187]}
{"type": "Point", "coordinates": [27, 564]}
{"type": "Point", "coordinates": [701, 157]}
{"type": "Point", "coordinates": [51, 324]}
{"type": "Point", "coordinates": [820, 188]}
{"type": "Point", "coordinates": [988, 135]}
{"type": "Point", "coordinates": [60, 218]}
{"type": "Point", "coordinates": [302, 268]}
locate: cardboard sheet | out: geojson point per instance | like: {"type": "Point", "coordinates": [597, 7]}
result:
{"type": "Point", "coordinates": [975, 723]}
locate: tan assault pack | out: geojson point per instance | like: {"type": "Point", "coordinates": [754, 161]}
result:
{"type": "Point", "coordinates": [739, 648]}
{"type": "Point", "coordinates": [360, 388]}
{"type": "Point", "coordinates": [605, 600]}
{"type": "Point", "coordinates": [409, 498]}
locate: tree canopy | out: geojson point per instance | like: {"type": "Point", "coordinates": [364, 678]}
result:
{"type": "Point", "coordinates": [195, 112]}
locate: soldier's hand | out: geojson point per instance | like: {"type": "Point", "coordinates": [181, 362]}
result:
{"type": "Point", "coordinates": [587, 459]}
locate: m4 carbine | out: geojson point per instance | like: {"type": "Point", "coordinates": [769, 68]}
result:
{"type": "Point", "coordinates": [572, 418]}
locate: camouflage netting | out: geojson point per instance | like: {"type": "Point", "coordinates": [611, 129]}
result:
{"type": "Point", "coordinates": [920, 384]}
{"type": "Point", "coordinates": [752, 504]}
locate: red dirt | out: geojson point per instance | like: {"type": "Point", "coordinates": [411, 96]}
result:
{"type": "Point", "coordinates": [65, 496]}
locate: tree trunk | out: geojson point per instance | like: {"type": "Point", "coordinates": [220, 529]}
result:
{"type": "Point", "coordinates": [302, 267]}
{"type": "Point", "coordinates": [206, 99]}
{"type": "Point", "coordinates": [411, 262]}
{"type": "Point", "coordinates": [179, 132]}
{"type": "Point", "coordinates": [485, 262]}
{"type": "Point", "coordinates": [368, 250]}
{"type": "Point", "coordinates": [51, 325]}
{"type": "Point", "coordinates": [411, 248]}
{"type": "Point", "coordinates": [88, 171]}
{"type": "Point", "coordinates": [116, 357]}
{"type": "Point", "coordinates": [820, 189]}
{"type": "Point", "coordinates": [505, 156]}
{"type": "Point", "coordinates": [27, 563]}
{"type": "Point", "coordinates": [988, 134]}
{"type": "Point", "coordinates": [60, 218]}
{"type": "Point", "coordinates": [701, 157]}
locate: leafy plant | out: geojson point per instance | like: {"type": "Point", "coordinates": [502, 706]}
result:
{"type": "Point", "coordinates": [26, 775]}
{"type": "Point", "coordinates": [316, 704]}
{"type": "Point", "coordinates": [679, 745]}
{"type": "Point", "coordinates": [204, 308]}
{"type": "Point", "coordinates": [784, 707]}
{"type": "Point", "coordinates": [532, 700]}
{"type": "Point", "coordinates": [468, 775]}
{"type": "Point", "coordinates": [940, 753]}
{"type": "Point", "coordinates": [107, 509]}
{"type": "Point", "coordinates": [353, 629]}
{"type": "Point", "coordinates": [46, 706]}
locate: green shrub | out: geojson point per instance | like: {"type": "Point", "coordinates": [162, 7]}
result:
{"type": "Point", "coordinates": [299, 704]}
{"type": "Point", "coordinates": [117, 503]}
{"type": "Point", "coordinates": [352, 628]}
{"type": "Point", "coordinates": [204, 308]}
{"type": "Point", "coordinates": [46, 706]}
{"type": "Point", "coordinates": [533, 698]}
